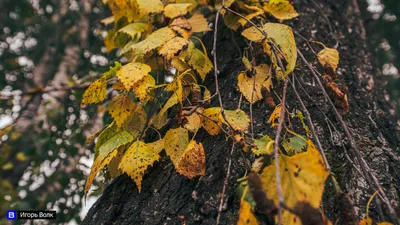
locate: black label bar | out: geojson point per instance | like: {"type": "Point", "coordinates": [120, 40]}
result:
{"type": "Point", "coordinates": [37, 215]}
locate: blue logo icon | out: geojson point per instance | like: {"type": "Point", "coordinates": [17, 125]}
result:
{"type": "Point", "coordinates": [11, 214]}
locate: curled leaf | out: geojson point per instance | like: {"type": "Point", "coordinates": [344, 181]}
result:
{"type": "Point", "coordinates": [328, 57]}
{"type": "Point", "coordinates": [275, 116]}
{"type": "Point", "coordinates": [264, 145]}
{"type": "Point", "coordinates": [193, 161]}
{"type": "Point", "coordinates": [281, 9]}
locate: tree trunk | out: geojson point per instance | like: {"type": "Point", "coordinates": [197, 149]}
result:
{"type": "Point", "coordinates": [169, 198]}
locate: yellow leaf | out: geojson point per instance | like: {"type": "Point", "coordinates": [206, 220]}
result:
{"type": "Point", "coordinates": [302, 177]}
{"type": "Point", "coordinates": [198, 23]}
{"type": "Point", "coordinates": [109, 41]}
{"type": "Point", "coordinates": [153, 41]}
{"type": "Point", "coordinates": [366, 221]}
{"type": "Point", "coordinates": [200, 62]}
{"type": "Point", "coordinates": [193, 161]}
{"type": "Point", "coordinates": [121, 8]}
{"type": "Point", "coordinates": [212, 126]}
{"type": "Point", "coordinates": [193, 122]}
{"type": "Point", "coordinates": [7, 166]}
{"type": "Point", "coordinates": [142, 87]}
{"type": "Point", "coordinates": [136, 160]}
{"type": "Point", "coordinates": [267, 84]}
{"type": "Point", "coordinates": [231, 21]}
{"type": "Point", "coordinates": [329, 57]}
{"type": "Point", "coordinates": [119, 86]}
{"type": "Point", "coordinates": [176, 87]}
{"type": "Point", "coordinates": [281, 9]}
{"type": "Point", "coordinates": [134, 29]}
{"type": "Point", "coordinates": [98, 164]}
{"type": "Point", "coordinates": [172, 47]}
{"type": "Point", "coordinates": [181, 22]}
{"type": "Point", "coordinates": [251, 87]}
{"type": "Point", "coordinates": [254, 11]}
{"type": "Point", "coordinates": [246, 217]}
{"type": "Point", "coordinates": [136, 121]}
{"type": "Point", "coordinates": [183, 32]}
{"type": "Point", "coordinates": [179, 64]}
{"type": "Point", "coordinates": [237, 119]}
{"type": "Point", "coordinates": [146, 7]}
{"type": "Point", "coordinates": [21, 156]}
{"type": "Point", "coordinates": [121, 108]}
{"type": "Point", "coordinates": [95, 93]}
{"type": "Point", "coordinates": [112, 167]}
{"type": "Point", "coordinates": [175, 10]}
{"type": "Point", "coordinates": [175, 143]}
{"type": "Point", "coordinates": [156, 146]}
{"type": "Point", "coordinates": [384, 223]}
{"type": "Point", "coordinates": [193, 2]}
{"type": "Point", "coordinates": [108, 20]}
{"type": "Point", "coordinates": [282, 36]}
{"type": "Point", "coordinates": [275, 116]}
{"type": "Point", "coordinates": [131, 73]}
{"type": "Point", "coordinates": [160, 118]}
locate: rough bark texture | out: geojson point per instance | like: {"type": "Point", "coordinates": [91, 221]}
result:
{"type": "Point", "coordinates": [169, 198]}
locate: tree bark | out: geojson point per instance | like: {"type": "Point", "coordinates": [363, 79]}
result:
{"type": "Point", "coordinates": [169, 198]}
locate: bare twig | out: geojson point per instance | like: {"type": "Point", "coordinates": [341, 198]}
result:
{"type": "Point", "coordinates": [216, 72]}
{"type": "Point", "coordinates": [308, 116]}
{"type": "Point", "coordinates": [277, 139]}
{"type": "Point", "coordinates": [225, 184]}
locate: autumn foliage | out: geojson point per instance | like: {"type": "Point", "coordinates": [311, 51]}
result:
{"type": "Point", "coordinates": [161, 80]}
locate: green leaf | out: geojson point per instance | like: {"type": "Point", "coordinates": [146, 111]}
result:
{"type": "Point", "coordinates": [264, 146]}
{"type": "Point", "coordinates": [114, 142]}
{"type": "Point", "coordinates": [294, 145]}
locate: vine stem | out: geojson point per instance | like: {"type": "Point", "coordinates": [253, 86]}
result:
{"type": "Point", "coordinates": [371, 178]}
{"type": "Point", "coordinates": [308, 116]}
{"type": "Point", "coordinates": [216, 72]}
{"type": "Point", "coordinates": [276, 153]}
{"type": "Point", "coordinates": [281, 121]}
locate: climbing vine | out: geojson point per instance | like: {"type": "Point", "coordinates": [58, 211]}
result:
{"type": "Point", "coordinates": [159, 79]}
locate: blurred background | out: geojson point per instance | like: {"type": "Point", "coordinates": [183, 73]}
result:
{"type": "Point", "coordinates": [50, 50]}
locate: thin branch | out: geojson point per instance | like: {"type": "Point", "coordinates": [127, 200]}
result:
{"type": "Point", "coordinates": [308, 116]}
{"type": "Point", "coordinates": [225, 183]}
{"type": "Point", "coordinates": [216, 72]}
